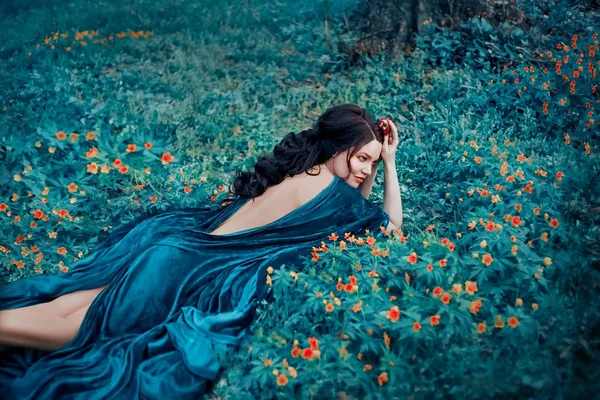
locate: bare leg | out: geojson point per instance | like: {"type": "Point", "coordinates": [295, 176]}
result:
{"type": "Point", "coordinates": [46, 326]}
{"type": "Point", "coordinates": [66, 304]}
{"type": "Point", "coordinates": [28, 328]}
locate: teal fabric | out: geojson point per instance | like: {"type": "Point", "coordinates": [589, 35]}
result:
{"type": "Point", "coordinates": [178, 299]}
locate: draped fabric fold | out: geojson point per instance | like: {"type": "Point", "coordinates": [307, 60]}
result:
{"type": "Point", "coordinates": [178, 299]}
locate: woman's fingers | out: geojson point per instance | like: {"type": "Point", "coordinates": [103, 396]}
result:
{"type": "Point", "coordinates": [394, 131]}
{"type": "Point", "coordinates": [386, 132]}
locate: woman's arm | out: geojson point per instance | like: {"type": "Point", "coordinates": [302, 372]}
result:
{"type": "Point", "coordinates": [392, 201]}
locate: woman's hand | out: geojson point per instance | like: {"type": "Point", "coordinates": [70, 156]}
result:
{"type": "Point", "coordinates": [390, 142]}
{"type": "Point", "coordinates": [392, 202]}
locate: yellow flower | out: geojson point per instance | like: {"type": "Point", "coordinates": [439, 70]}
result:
{"type": "Point", "coordinates": [519, 302]}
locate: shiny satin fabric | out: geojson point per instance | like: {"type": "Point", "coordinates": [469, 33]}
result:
{"type": "Point", "coordinates": [178, 299]}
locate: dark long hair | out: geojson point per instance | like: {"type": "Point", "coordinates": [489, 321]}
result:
{"type": "Point", "coordinates": [342, 127]}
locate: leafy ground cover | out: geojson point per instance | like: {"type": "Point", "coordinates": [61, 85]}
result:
{"type": "Point", "coordinates": [110, 111]}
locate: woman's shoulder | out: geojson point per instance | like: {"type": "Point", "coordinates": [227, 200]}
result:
{"type": "Point", "coordinates": [306, 186]}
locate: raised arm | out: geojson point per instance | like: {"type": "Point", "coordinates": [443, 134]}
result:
{"type": "Point", "coordinates": [392, 201]}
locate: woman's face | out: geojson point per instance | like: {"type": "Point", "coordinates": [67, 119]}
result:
{"type": "Point", "coordinates": [361, 164]}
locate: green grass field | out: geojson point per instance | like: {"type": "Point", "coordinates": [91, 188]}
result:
{"type": "Point", "coordinates": [109, 110]}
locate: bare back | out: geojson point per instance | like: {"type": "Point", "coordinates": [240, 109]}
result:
{"type": "Point", "coordinates": [276, 202]}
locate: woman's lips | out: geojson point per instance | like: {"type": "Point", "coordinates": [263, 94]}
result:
{"type": "Point", "coordinates": [360, 180]}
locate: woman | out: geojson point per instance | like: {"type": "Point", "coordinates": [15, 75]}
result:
{"type": "Point", "coordinates": [152, 311]}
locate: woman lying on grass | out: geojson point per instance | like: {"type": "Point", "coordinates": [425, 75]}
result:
{"type": "Point", "coordinates": [151, 312]}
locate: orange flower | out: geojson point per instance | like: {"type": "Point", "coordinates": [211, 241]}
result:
{"type": "Point", "coordinates": [554, 223]}
{"type": "Point", "coordinates": [444, 242]}
{"type": "Point", "coordinates": [443, 262]}
{"type": "Point", "coordinates": [437, 291]}
{"type": "Point", "coordinates": [148, 145]}
{"type": "Point", "coordinates": [60, 135]}
{"type": "Point", "coordinates": [130, 148]}
{"type": "Point", "coordinates": [124, 169]}
{"type": "Point", "coordinates": [516, 221]}
{"type": "Point", "coordinates": [329, 307]}
{"type": "Point", "coordinates": [475, 306]}
{"type": "Point", "coordinates": [314, 343]}
{"type": "Point", "coordinates": [487, 259]}
{"type": "Point", "coordinates": [481, 327]}
{"type": "Point", "coordinates": [307, 353]}
{"type": "Point", "coordinates": [92, 168]}
{"type": "Point", "coordinates": [90, 135]}
{"type": "Point", "coordinates": [393, 314]}
{"type": "Point", "coordinates": [513, 322]}
{"type": "Point", "coordinates": [72, 187]}
{"type": "Point", "coordinates": [387, 340]}
{"type": "Point", "coordinates": [117, 162]}
{"type": "Point", "coordinates": [434, 320]}
{"type": "Point", "coordinates": [416, 326]}
{"type": "Point", "coordinates": [62, 251]}
{"type": "Point", "coordinates": [412, 258]}
{"type": "Point", "coordinates": [559, 175]}
{"type": "Point", "coordinates": [446, 298]}
{"type": "Point", "coordinates": [91, 153]}
{"type": "Point", "coordinates": [282, 380]}
{"type": "Point", "coordinates": [471, 287]}
{"type": "Point", "coordinates": [167, 158]}
{"type": "Point", "coordinates": [383, 378]}
{"type": "Point", "coordinates": [457, 288]}
{"type": "Point", "coordinates": [296, 352]}
{"type": "Point", "coordinates": [519, 302]}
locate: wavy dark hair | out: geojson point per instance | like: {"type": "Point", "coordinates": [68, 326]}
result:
{"type": "Point", "coordinates": [342, 127]}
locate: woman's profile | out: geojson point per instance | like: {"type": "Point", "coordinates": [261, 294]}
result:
{"type": "Point", "coordinates": [152, 310]}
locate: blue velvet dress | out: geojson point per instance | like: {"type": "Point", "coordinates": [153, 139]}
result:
{"type": "Point", "coordinates": [178, 299]}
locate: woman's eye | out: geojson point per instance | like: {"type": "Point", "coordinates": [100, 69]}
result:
{"type": "Point", "coordinates": [362, 158]}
